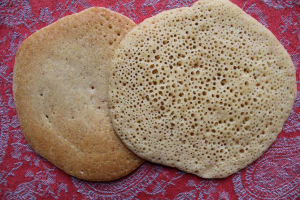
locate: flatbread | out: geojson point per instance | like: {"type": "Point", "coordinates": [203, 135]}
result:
{"type": "Point", "coordinates": [205, 89]}
{"type": "Point", "coordinates": [60, 90]}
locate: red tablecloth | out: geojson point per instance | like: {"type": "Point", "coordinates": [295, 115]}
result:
{"type": "Point", "coordinates": [25, 175]}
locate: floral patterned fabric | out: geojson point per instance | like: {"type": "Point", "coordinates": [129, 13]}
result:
{"type": "Point", "coordinates": [26, 175]}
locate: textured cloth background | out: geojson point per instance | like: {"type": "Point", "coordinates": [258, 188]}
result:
{"type": "Point", "coordinates": [25, 175]}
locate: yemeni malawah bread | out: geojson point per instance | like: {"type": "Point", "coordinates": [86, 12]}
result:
{"type": "Point", "coordinates": [60, 90]}
{"type": "Point", "coordinates": [205, 89]}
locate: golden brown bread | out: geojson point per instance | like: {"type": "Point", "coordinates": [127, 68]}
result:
{"type": "Point", "coordinates": [60, 90]}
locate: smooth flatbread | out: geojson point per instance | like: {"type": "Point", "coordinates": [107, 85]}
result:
{"type": "Point", "coordinates": [60, 90]}
{"type": "Point", "coordinates": [205, 89]}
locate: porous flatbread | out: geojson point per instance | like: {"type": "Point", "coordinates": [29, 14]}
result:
{"type": "Point", "coordinates": [60, 90]}
{"type": "Point", "coordinates": [205, 89]}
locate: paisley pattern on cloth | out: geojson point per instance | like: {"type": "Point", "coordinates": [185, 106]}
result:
{"type": "Point", "coordinates": [275, 175]}
{"type": "Point", "coordinates": [25, 175]}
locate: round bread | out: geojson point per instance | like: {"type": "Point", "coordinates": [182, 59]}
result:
{"type": "Point", "coordinates": [61, 93]}
{"type": "Point", "coordinates": [205, 89]}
